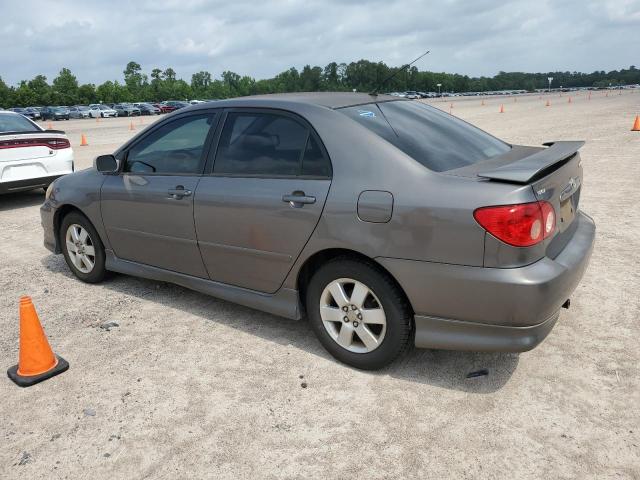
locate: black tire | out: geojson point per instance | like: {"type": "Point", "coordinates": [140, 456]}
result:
{"type": "Point", "coordinates": [98, 272]}
{"type": "Point", "coordinates": [399, 317]}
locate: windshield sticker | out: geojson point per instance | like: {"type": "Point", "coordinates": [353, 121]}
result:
{"type": "Point", "coordinates": [366, 114]}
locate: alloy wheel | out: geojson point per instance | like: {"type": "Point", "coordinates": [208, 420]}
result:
{"type": "Point", "coordinates": [80, 248]}
{"type": "Point", "coordinates": [352, 315]}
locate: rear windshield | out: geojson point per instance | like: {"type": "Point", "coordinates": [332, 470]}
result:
{"type": "Point", "coordinates": [16, 123]}
{"type": "Point", "coordinates": [437, 140]}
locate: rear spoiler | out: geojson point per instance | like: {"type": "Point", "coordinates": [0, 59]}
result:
{"type": "Point", "coordinates": [61, 132]}
{"type": "Point", "coordinates": [533, 166]}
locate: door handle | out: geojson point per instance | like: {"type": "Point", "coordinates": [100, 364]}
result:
{"type": "Point", "coordinates": [298, 199]}
{"type": "Point", "coordinates": [179, 192]}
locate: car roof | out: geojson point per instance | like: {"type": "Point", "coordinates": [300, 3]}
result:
{"type": "Point", "coordinates": [331, 100]}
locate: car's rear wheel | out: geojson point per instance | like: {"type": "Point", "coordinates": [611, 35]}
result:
{"type": "Point", "coordinates": [82, 248]}
{"type": "Point", "coordinates": [358, 313]}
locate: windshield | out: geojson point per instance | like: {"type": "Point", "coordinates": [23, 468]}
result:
{"type": "Point", "coordinates": [437, 140]}
{"type": "Point", "coordinates": [16, 123]}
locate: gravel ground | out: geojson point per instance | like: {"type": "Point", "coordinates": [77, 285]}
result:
{"type": "Point", "coordinates": [189, 386]}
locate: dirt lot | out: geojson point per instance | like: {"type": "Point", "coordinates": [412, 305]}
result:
{"type": "Point", "coordinates": [189, 386]}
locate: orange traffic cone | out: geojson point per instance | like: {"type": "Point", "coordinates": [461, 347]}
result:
{"type": "Point", "coordinates": [49, 126]}
{"type": "Point", "coordinates": [548, 104]}
{"type": "Point", "coordinates": [569, 100]}
{"type": "Point", "coordinates": [636, 124]}
{"type": "Point", "coordinates": [83, 141]}
{"type": "Point", "coordinates": [97, 119]}
{"type": "Point", "coordinates": [132, 126]}
{"type": "Point", "coordinates": [36, 361]}
{"type": "Point", "coordinates": [501, 108]}
{"type": "Point", "coordinates": [482, 103]}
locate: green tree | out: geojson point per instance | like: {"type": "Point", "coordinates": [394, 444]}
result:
{"type": "Point", "coordinates": [6, 95]}
{"type": "Point", "coordinates": [135, 80]}
{"type": "Point", "coordinates": [65, 88]}
{"type": "Point", "coordinates": [200, 83]}
{"type": "Point", "coordinates": [41, 90]}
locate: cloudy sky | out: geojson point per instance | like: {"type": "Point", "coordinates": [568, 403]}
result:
{"type": "Point", "coordinates": [96, 39]}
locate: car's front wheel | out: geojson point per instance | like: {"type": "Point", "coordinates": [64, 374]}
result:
{"type": "Point", "coordinates": [82, 248]}
{"type": "Point", "coordinates": [358, 313]}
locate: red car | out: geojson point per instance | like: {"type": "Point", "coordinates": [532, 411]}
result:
{"type": "Point", "coordinates": [163, 108]}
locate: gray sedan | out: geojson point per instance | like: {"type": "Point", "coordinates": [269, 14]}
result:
{"type": "Point", "coordinates": [385, 222]}
{"type": "Point", "coordinates": [79, 111]}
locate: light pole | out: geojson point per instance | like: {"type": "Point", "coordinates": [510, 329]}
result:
{"type": "Point", "coordinates": [550, 80]}
{"type": "Point", "coordinates": [439, 85]}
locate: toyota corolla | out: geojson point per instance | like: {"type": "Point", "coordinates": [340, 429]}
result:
{"type": "Point", "coordinates": [385, 222]}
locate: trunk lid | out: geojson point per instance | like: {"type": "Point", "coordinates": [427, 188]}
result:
{"type": "Point", "coordinates": [29, 146]}
{"type": "Point", "coordinates": [561, 188]}
{"type": "Point", "coordinates": [555, 174]}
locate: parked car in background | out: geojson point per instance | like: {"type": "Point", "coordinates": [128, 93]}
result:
{"type": "Point", "coordinates": [147, 109]}
{"type": "Point", "coordinates": [163, 108]}
{"type": "Point", "coordinates": [79, 111]}
{"type": "Point", "coordinates": [126, 110]}
{"type": "Point", "coordinates": [449, 238]}
{"type": "Point", "coordinates": [101, 110]}
{"type": "Point", "coordinates": [28, 112]}
{"type": "Point", "coordinates": [412, 95]}
{"type": "Point", "coordinates": [55, 113]}
{"type": "Point", "coordinates": [31, 157]}
{"type": "Point", "coordinates": [173, 105]}
{"type": "Point", "coordinates": [33, 113]}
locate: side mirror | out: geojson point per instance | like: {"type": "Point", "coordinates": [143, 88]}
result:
{"type": "Point", "coordinates": [107, 164]}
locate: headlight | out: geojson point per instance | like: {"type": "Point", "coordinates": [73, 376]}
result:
{"type": "Point", "coordinates": [49, 191]}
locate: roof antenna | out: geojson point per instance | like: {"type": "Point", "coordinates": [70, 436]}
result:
{"type": "Point", "coordinates": [381, 84]}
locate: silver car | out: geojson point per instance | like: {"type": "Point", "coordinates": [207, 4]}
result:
{"type": "Point", "coordinates": [384, 222]}
{"type": "Point", "coordinates": [79, 111]}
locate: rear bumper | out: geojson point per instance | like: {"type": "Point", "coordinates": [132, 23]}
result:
{"type": "Point", "coordinates": [28, 184]}
{"type": "Point", "coordinates": [447, 334]}
{"type": "Point", "coordinates": [498, 309]}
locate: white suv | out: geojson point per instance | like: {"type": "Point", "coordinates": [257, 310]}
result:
{"type": "Point", "coordinates": [31, 157]}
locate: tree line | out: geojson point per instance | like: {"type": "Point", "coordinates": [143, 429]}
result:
{"type": "Point", "coordinates": [362, 75]}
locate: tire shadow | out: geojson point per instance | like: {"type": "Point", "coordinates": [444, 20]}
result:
{"type": "Point", "coordinates": [445, 369]}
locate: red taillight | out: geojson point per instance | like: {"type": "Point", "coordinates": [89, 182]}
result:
{"type": "Point", "coordinates": [53, 143]}
{"type": "Point", "coordinates": [521, 225]}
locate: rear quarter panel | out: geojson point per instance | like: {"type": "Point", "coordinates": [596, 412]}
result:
{"type": "Point", "coordinates": [432, 218]}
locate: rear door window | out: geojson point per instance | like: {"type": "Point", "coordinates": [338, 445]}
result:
{"type": "Point", "coordinates": [437, 140]}
{"type": "Point", "coordinates": [260, 144]}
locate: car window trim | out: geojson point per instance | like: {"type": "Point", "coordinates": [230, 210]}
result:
{"type": "Point", "coordinates": [213, 153]}
{"type": "Point", "coordinates": [124, 151]}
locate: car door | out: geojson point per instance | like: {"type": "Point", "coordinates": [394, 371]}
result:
{"type": "Point", "coordinates": [256, 209]}
{"type": "Point", "coordinates": [147, 208]}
